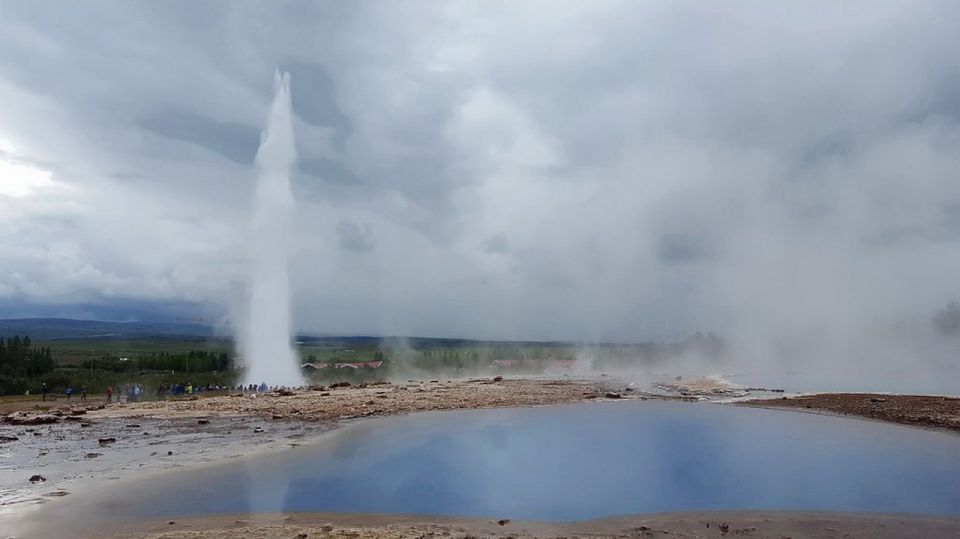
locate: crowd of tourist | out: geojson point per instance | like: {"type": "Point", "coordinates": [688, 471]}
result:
{"type": "Point", "coordinates": [135, 392]}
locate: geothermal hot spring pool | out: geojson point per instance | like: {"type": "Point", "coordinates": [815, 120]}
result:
{"type": "Point", "coordinates": [575, 462]}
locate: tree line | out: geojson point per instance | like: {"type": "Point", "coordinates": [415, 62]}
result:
{"type": "Point", "coordinates": [24, 367]}
{"type": "Point", "coordinates": [21, 362]}
{"type": "Point", "coordinates": [191, 361]}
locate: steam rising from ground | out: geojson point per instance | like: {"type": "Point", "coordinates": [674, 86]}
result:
{"type": "Point", "coordinates": [266, 337]}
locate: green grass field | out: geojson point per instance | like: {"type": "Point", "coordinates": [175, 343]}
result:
{"type": "Point", "coordinates": [75, 352]}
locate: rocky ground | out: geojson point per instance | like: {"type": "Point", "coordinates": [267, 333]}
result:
{"type": "Point", "coordinates": [758, 525]}
{"type": "Point", "coordinates": [708, 388]}
{"type": "Point", "coordinates": [347, 402]}
{"type": "Point", "coordinates": [51, 452]}
{"type": "Point", "coordinates": [53, 460]}
{"type": "Point", "coordinates": [917, 410]}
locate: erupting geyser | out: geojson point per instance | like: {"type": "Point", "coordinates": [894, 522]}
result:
{"type": "Point", "coordinates": [266, 336]}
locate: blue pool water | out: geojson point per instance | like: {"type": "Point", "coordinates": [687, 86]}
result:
{"type": "Point", "coordinates": [579, 462]}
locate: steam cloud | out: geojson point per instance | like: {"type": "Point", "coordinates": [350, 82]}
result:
{"type": "Point", "coordinates": [783, 176]}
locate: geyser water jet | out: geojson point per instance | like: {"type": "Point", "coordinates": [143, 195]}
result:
{"type": "Point", "coordinates": [265, 340]}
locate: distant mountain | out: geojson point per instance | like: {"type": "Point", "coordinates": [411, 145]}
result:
{"type": "Point", "coordinates": [40, 329]}
{"type": "Point", "coordinates": [44, 329]}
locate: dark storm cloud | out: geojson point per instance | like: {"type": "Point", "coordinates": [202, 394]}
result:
{"type": "Point", "coordinates": [92, 305]}
{"type": "Point", "coordinates": [236, 142]}
{"type": "Point", "coordinates": [497, 244]}
{"type": "Point", "coordinates": [314, 99]}
{"type": "Point", "coordinates": [328, 170]}
{"type": "Point", "coordinates": [680, 248]}
{"type": "Point", "coordinates": [356, 237]}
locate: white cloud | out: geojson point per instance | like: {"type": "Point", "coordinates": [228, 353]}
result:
{"type": "Point", "coordinates": [544, 170]}
{"type": "Point", "coordinates": [19, 180]}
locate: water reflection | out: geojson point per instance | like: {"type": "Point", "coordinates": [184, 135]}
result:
{"type": "Point", "coordinates": [579, 462]}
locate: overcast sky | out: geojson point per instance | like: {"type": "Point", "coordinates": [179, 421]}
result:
{"type": "Point", "coordinates": [543, 170]}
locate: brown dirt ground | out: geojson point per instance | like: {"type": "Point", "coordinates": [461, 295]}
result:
{"type": "Point", "coordinates": [370, 400]}
{"type": "Point", "coordinates": [918, 410]}
{"type": "Point", "coordinates": [330, 405]}
{"type": "Point", "coordinates": [756, 525]}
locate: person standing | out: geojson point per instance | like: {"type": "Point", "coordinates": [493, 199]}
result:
{"type": "Point", "coordinates": [83, 392]}
{"type": "Point", "coordinates": [109, 394]}
{"type": "Point", "coordinates": [44, 389]}
{"type": "Point", "coordinates": [69, 392]}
